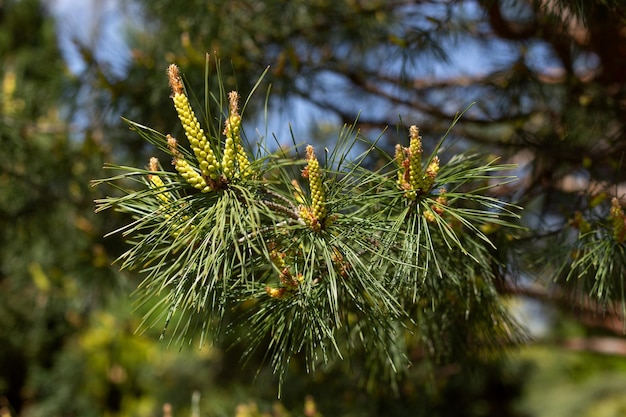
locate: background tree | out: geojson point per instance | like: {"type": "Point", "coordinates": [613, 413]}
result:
{"type": "Point", "coordinates": [67, 342]}
{"type": "Point", "coordinates": [55, 271]}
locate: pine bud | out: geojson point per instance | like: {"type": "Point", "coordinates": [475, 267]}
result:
{"type": "Point", "coordinates": [194, 133]}
{"type": "Point", "coordinates": [415, 159]}
{"type": "Point", "coordinates": [154, 181]}
{"type": "Point", "coordinates": [277, 293]}
{"type": "Point", "coordinates": [306, 214]}
{"type": "Point", "coordinates": [228, 161]}
{"type": "Point", "coordinates": [429, 216]}
{"type": "Point", "coordinates": [184, 169]}
{"type": "Point", "coordinates": [318, 201]}
{"type": "Point", "coordinates": [399, 158]}
{"type": "Point", "coordinates": [297, 192]}
{"type": "Point", "coordinates": [234, 154]}
{"type": "Point", "coordinates": [341, 266]}
{"type": "Point", "coordinates": [411, 176]}
{"type": "Point", "coordinates": [441, 201]}
{"type": "Point", "coordinates": [243, 162]}
{"type": "Point", "coordinates": [431, 174]}
{"type": "Point", "coordinates": [278, 258]}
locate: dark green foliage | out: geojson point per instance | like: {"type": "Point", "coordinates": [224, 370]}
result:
{"type": "Point", "coordinates": [54, 266]}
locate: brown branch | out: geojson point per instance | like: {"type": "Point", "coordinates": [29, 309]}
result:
{"type": "Point", "coordinates": [603, 345]}
{"type": "Point", "coordinates": [587, 310]}
{"type": "Point", "coordinates": [503, 28]}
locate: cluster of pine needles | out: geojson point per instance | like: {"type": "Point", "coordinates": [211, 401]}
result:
{"type": "Point", "coordinates": [299, 255]}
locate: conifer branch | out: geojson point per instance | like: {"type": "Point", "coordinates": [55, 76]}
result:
{"type": "Point", "coordinates": [343, 251]}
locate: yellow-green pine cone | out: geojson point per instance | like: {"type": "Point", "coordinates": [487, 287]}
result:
{"type": "Point", "coordinates": [243, 162]}
{"type": "Point", "coordinates": [190, 175]}
{"type": "Point", "coordinates": [154, 181]}
{"type": "Point", "coordinates": [197, 139]}
{"type": "Point", "coordinates": [415, 159]}
{"type": "Point", "coordinates": [429, 216]}
{"type": "Point", "coordinates": [399, 157]}
{"type": "Point", "coordinates": [440, 202]}
{"type": "Point", "coordinates": [230, 155]}
{"type": "Point", "coordinates": [234, 154]}
{"type": "Point", "coordinates": [201, 147]}
{"type": "Point", "coordinates": [277, 293]}
{"type": "Point", "coordinates": [278, 258]}
{"type": "Point", "coordinates": [619, 221]}
{"type": "Point", "coordinates": [231, 131]}
{"type": "Point", "coordinates": [431, 174]}
{"type": "Point", "coordinates": [157, 182]}
{"type": "Point", "coordinates": [306, 214]}
{"type": "Point", "coordinates": [318, 200]}
{"type": "Point", "coordinates": [184, 169]}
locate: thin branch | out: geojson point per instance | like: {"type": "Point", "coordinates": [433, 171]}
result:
{"type": "Point", "coordinates": [602, 345]}
{"type": "Point", "coordinates": [588, 310]}
{"type": "Point", "coordinates": [504, 28]}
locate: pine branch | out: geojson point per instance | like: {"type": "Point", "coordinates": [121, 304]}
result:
{"type": "Point", "coordinates": [338, 259]}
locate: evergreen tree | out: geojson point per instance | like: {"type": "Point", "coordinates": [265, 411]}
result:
{"type": "Point", "coordinates": [26, 127]}
{"type": "Point", "coordinates": [54, 266]}
{"type": "Point", "coordinates": [379, 255]}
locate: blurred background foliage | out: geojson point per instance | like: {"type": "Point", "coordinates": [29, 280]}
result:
{"type": "Point", "coordinates": [549, 81]}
